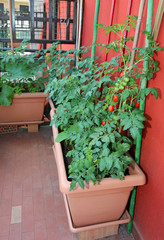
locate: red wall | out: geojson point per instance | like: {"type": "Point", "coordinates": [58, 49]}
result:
{"type": "Point", "coordinates": [149, 211]}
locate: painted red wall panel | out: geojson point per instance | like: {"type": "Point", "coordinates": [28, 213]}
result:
{"type": "Point", "coordinates": [149, 211]}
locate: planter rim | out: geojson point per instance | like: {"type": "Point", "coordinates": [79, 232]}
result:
{"type": "Point", "coordinates": [31, 95]}
{"type": "Point", "coordinates": [135, 178]}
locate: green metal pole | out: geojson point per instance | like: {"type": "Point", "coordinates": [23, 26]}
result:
{"type": "Point", "coordinates": [142, 107]}
{"type": "Point", "coordinates": [95, 30]}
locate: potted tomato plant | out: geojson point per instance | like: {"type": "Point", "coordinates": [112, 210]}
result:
{"type": "Point", "coordinates": [98, 116]}
{"type": "Point", "coordinates": [21, 87]}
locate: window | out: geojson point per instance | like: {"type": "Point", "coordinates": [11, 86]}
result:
{"type": "Point", "coordinates": [39, 22]}
{"type": "Point", "coordinates": [1, 7]}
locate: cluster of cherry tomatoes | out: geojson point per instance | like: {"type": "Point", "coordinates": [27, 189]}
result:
{"type": "Point", "coordinates": [120, 86]}
{"type": "Point", "coordinates": [115, 99]}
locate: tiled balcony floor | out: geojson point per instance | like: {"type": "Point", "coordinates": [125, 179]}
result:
{"type": "Point", "coordinates": [31, 205]}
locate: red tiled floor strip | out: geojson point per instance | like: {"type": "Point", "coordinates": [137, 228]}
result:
{"type": "Point", "coordinates": [28, 180]}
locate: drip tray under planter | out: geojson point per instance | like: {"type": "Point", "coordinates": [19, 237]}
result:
{"type": "Point", "coordinates": [96, 231]}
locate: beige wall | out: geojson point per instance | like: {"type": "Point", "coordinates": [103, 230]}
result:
{"type": "Point", "coordinates": [17, 3]}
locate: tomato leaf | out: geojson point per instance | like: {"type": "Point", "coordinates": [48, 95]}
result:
{"type": "Point", "coordinates": [6, 95]}
{"type": "Point", "coordinates": [72, 185]}
{"type": "Point", "coordinates": [81, 183]}
{"type": "Point", "coordinates": [102, 164]}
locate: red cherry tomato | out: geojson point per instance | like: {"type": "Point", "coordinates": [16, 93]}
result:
{"type": "Point", "coordinates": [103, 123]}
{"type": "Point", "coordinates": [121, 90]}
{"type": "Point", "coordinates": [115, 98]}
{"type": "Point", "coordinates": [121, 74]}
{"type": "Point", "coordinates": [111, 108]}
{"type": "Point", "coordinates": [117, 105]}
{"type": "Point", "coordinates": [137, 105]}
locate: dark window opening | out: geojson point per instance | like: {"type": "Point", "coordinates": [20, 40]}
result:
{"type": "Point", "coordinates": [1, 6]}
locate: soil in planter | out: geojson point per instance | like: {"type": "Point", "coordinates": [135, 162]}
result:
{"type": "Point", "coordinates": [67, 160]}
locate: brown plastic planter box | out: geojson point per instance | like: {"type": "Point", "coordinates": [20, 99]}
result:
{"type": "Point", "coordinates": [25, 108]}
{"type": "Point", "coordinates": [96, 204]}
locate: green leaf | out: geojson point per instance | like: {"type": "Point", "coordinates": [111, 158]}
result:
{"type": "Point", "coordinates": [117, 164]}
{"type": "Point", "coordinates": [102, 164]}
{"type": "Point", "coordinates": [133, 24]}
{"type": "Point", "coordinates": [125, 94]}
{"type": "Point", "coordinates": [62, 136]}
{"type": "Point", "coordinates": [128, 27]}
{"type": "Point", "coordinates": [65, 134]}
{"type": "Point", "coordinates": [94, 135]}
{"type": "Point", "coordinates": [155, 92]}
{"type": "Point", "coordinates": [72, 185]}
{"type": "Point", "coordinates": [81, 183]}
{"type": "Point", "coordinates": [123, 148]}
{"type": "Point", "coordinates": [134, 132]}
{"type": "Point", "coordinates": [106, 152]}
{"type": "Point", "coordinates": [6, 95]}
{"type": "Point", "coordinates": [138, 124]}
{"type": "Point", "coordinates": [112, 137]}
{"type": "Point", "coordinates": [127, 159]}
{"type": "Point", "coordinates": [95, 150]}
{"type": "Point", "coordinates": [128, 124]}
{"type": "Point", "coordinates": [86, 163]}
{"type": "Point", "coordinates": [18, 71]}
{"type": "Point", "coordinates": [105, 138]}
{"type": "Point", "coordinates": [109, 163]}
{"type": "Point", "coordinates": [141, 117]}
{"type": "Point", "coordinates": [125, 121]}
{"type": "Point", "coordinates": [98, 143]}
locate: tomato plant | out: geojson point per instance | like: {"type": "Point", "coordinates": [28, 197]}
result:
{"type": "Point", "coordinates": [99, 149]}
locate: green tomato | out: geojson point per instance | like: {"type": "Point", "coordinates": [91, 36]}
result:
{"type": "Point", "coordinates": [126, 79]}
{"type": "Point", "coordinates": [124, 83]}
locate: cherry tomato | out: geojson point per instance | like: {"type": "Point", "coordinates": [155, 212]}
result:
{"type": "Point", "coordinates": [117, 105]}
{"type": "Point", "coordinates": [103, 123]}
{"type": "Point", "coordinates": [121, 90]}
{"type": "Point", "coordinates": [115, 98]}
{"type": "Point", "coordinates": [121, 74]}
{"type": "Point", "coordinates": [111, 108]}
{"type": "Point", "coordinates": [137, 105]}
{"type": "Point", "coordinates": [126, 79]}
{"type": "Point", "coordinates": [116, 89]}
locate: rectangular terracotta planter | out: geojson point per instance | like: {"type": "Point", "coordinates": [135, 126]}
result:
{"type": "Point", "coordinates": [99, 203]}
{"type": "Point", "coordinates": [26, 107]}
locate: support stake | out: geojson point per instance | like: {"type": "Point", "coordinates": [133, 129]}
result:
{"type": "Point", "coordinates": [11, 28]}
{"type": "Point", "coordinates": [142, 107]}
{"type": "Point", "coordinates": [95, 30]}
